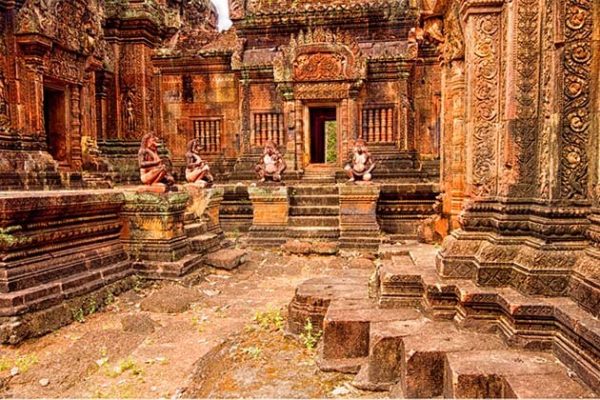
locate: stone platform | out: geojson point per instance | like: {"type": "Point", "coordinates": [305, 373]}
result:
{"type": "Point", "coordinates": [59, 251]}
{"type": "Point", "coordinates": [419, 336]}
{"type": "Point", "coordinates": [402, 208]}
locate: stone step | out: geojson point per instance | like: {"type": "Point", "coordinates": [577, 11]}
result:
{"type": "Point", "coordinates": [314, 221]}
{"type": "Point", "coordinates": [205, 243]}
{"type": "Point", "coordinates": [313, 232]}
{"type": "Point", "coordinates": [195, 229]}
{"type": "Point", "coordinates": [527, 321]}
{"type": "Point", "coordinates": [411, 354]}
{"type": "Point", "coordinates": [346, 330]}
{"type": "Point", "coordinates": [509, 374]}
{"type": "Point", "coordinates": [315, 210]}
{"type": "Point", "coordinates": [314, 190]}
{"type": "Point", "coordinates": [315, 200]}
{"type": "Point", "coordinates": [313, 297]}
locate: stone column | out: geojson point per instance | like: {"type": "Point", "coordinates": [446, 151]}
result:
{"type": "Point", "coordinates": [154, 235]}
{"type": "Point", "coordinates": [358, 217]}
{"type": "Point", "coordinates": [270, 215]}
{"type": "Point", "coordinates": [289, 110]}
{"type": "Point", "coordinates": [299, 129]}
{"type": "Point", "coordinates": [453, 139]}
{"type": "Point", "coordinates": [245, 113]}
{"type": "Point", "coordinates": [75, 97]}
{"type": "Point", "coordinates": [527, 181]}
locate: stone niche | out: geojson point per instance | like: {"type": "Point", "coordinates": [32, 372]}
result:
{"type": "Point", "coordinates": [60, 256]}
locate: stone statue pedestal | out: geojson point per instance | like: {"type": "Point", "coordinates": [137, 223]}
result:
{"type": "Point", "coordinates": [359, 229]}
{"type": "Point", "coordinates": [154, 234]}
{"type": "Point", "coordinates": [202, 217]}
{"type": "Point", "coordinates": [270, 215]}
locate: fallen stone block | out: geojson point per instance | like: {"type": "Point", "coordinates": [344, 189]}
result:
{"type": "Point", "coordinates": [226, 259]}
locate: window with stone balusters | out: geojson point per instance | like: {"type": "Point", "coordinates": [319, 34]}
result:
{"type": "Point", "coordinates": [208, 130]}
{"type": "Point", "coordinates": [267, 126]}
{"type": "Point", "coordinates": [378, 124]}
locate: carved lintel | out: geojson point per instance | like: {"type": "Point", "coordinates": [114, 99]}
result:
{"type": "Point", "coordinates": [470, 7]}
{"type": "Point", "coordinates": [34, 47]}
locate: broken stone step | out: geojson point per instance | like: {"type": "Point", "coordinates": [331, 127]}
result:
{"type": "Point", "coordinates": [195, 229]}
{"type": "Point", "coordinates": [313, 297]}
{"type": "Point", "coordinates": [411, 355]}
{"type": "Point", "coordinates": [400, 283]}
{"type": "Point", "coordinates": [424, 355]}
{"type": "Point", "coordinates": [226, 259]}
{"type": "Point", "coordinates": [314, 221]}
{"type": "Point", "coordinates": [205, 243]}
{"type": "Point", "coordinates": [509, 374]}
{"type": "Point", "coordinates": [346, 328]}
{"type": "Point", "coordinates": [314, 211]}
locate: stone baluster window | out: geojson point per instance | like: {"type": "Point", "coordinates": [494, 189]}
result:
{"type": "Point", "coordinates": [378, 124]}
{"type": "Point", "coordinates": [267, 126]}
{"type": "Point", "coordinates": [209, 131]}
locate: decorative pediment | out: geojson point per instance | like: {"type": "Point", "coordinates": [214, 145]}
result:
{"type": "Point", "coordinates": [320, 55]}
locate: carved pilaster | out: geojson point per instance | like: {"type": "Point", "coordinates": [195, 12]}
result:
{"type": "Point", "coordinates": [519, 176]}
{"type": "Point", "coordinates": [245, 111]}
{"type": "Point", "coordinates": [483, 55]}
{"type": "Point", "coordinates": [453, 139]}
{"type": "Point", "coordinates": [577, 28]}
{"type": "Point", "coordinates": [76, 155]}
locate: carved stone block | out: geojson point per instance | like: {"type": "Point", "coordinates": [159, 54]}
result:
{"type": "Point", "coordinates": [154, 234]}
{"type": "Point", "coordinates": [270, 214]}
{"type": "Point", "coordinates": [358, 217]}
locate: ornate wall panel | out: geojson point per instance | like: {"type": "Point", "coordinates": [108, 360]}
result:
{"type": "Point", "coordinates": [484, 77]}
{"type": "Point", "coordinates": [575, 133]}
{"type": "Point", "coordinates": [525, 129]}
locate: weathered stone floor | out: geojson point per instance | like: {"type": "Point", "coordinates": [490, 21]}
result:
{"type": "Point", "coordinates": [223, 337]}
{"type": "Point", "coordinates": [157, 354]}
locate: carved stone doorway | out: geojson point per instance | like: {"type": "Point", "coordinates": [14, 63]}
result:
{"type": "Point", "coordinates": [56, 124]}
{"type": "Point", "coordinates": [321, 129]}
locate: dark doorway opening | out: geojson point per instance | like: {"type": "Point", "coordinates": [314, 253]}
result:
{"type": "Point", "coordinates": [55, 124]}
{"type": "Point", "coordinates": [321, 120]}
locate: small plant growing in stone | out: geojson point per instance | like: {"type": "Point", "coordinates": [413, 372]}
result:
{"type": "Point", "coordinates": [253, 352]}
{"type": "Point", "coordinates": [22, 363]}
{"type": "Point", "coordinates": [92, 307]}
{"type": "Point", "coordinates": [309, 337]}
{"type": "Point", "coordinates": [110, 298]}
{"type": "Point", "coordinates": [271, 319]}
{"type": "Point", "coordinates": [78, 315]}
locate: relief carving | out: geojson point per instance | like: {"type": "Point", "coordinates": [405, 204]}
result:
{"type": "Point", "coordinates": [485, 102]}
{"type": "Point", "coordinates": [320, 67]}
{"type": "Point", "coordinates": [577, 60]}
{"type": "Point", "coordinates": [319, 55]}
{"type": "Point", "coordinates": [527, 92]}
{"type": "Point", "coordinates": [129, 118]}
{"type": "Point", "coordinates": [547, 99]}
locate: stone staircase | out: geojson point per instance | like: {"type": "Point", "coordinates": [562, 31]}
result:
{"type": "Point", "coordinates": [415, 335]}
{"type": "Point", "coordinates": [97, 180]}
{"type": "Point", "coordinates": [314, 212]}
{"type": "Point", "coordinates": [320, 174]}
{"type": "Point", "coordinates": [201, 240]}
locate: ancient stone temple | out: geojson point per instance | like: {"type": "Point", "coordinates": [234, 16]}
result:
{"type": "Point", "coordinates": [444, 153]}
